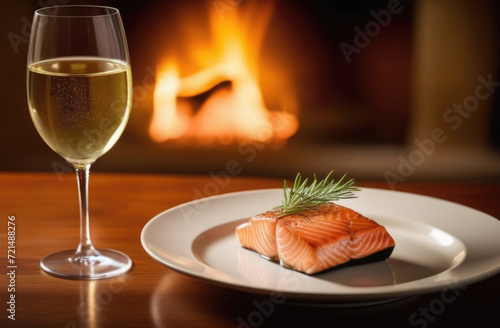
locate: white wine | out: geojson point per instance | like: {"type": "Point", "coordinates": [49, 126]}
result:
{"type": "Point", "coordinates": [80, 105]}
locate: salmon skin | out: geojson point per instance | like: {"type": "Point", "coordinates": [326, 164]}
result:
{"type": "Point", "coordinates": [312, 241]}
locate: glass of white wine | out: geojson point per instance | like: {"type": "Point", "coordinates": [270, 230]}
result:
{"type": "Point", "coordinates": [79, 88]}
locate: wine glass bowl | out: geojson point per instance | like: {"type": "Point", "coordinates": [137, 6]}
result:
{"type": "Point", "coordinates": [79, 87]}
{"type": "Point", "coordinates": [86, 109]}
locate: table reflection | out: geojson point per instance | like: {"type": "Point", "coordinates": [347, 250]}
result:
{"type": "Point", "coordinates": [176, 298]}
{"type": "Point", "coordinates": [94, 297]}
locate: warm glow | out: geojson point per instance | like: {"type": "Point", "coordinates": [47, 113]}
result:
{"type": "Point", "coordinates": [232, 111]}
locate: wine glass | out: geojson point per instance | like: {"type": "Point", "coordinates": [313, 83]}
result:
{"type": "Point", "coordinates": [79, 88]}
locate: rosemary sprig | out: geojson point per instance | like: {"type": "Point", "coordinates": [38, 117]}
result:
{"type": "Point", "coordinates": [303, 197]}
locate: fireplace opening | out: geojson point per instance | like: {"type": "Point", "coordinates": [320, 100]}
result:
{"type": "Point", "coordinates": [265, 61]}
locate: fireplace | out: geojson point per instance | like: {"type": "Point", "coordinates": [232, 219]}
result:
{"type": "Point", "coordinates": [281, 88]}
{"type": "Point", "coordinates": [274, 87]}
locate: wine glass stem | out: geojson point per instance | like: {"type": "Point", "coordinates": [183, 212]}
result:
{"type": "Point", "coordinates": [85, 248]}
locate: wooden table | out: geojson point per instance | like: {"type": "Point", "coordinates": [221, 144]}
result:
{"type": "Point", "coordinates": [46, 216]}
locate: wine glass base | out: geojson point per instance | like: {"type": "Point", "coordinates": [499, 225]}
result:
{"type": "Point", "coordinates": [66, 264]}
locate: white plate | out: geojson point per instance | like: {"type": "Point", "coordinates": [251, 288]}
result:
{"type": "Point", "coordinates": [439, 245]}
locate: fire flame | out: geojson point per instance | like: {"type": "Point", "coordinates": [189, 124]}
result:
{"type": "Point", "coordinates": [229, 114]}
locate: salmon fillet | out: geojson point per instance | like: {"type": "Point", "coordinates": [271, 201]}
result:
{"type": "Point", "coordinates": [316, 240]}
